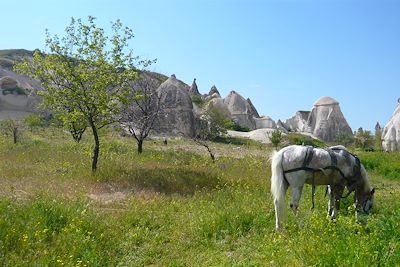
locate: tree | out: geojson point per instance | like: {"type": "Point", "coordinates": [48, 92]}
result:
{"type": "Point", "coordinates": [275, 137]}
{"type": "Point", "coordinates": [140, 117]}
{"type": "Point", "coordinates": [378, 137]}
{"type": "Point", "coordinates": [364, 139]}
{"type": "Point", "coordinates": [33, 122]}
{"type": "Point", "coordinates": [209, 126]}
{"type": "Point", "coordinates": [11, 127]}
{"type": "Point", "coordinates": [85, 75]}
{"type": "Point", "coordinates": [345, 139]}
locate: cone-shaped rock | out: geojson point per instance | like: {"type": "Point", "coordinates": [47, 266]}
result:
{"type": "Point", "coordinates": [391, 132]}
{"type": "Point", "coordinates": [242, 112]}
{"type": "Point", "coordinates": [253, 109]}
{"type": "Point", "coordinates": [326, 120]}
{"type": "Point", "coordinates": [177, 107]}
{"type": "Point", "coordinates": [214, 92]}
{"type": "Point", "coordinates": [194, 91]}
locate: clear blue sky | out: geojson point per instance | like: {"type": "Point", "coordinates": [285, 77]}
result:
{"type": "Point", "coordinates": [283, 55]}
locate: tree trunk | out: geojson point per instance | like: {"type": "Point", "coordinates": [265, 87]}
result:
{"type": "Point", "coordinates": [212, 156]}
{"type": "Point", "coordinates": [140, 146]}
{"type": "Point", "coordinates": [15, 133]}
{"type": "Point", "coordinates": [96, 148]}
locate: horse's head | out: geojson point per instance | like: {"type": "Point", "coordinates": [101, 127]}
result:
{"type": "Point", "coordinates": [365, 201]}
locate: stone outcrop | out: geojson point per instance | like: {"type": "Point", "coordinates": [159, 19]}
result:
{"type": "Point", "coordinates": [326, 120]}
{"type": "Point", "coordinates": [178, 118]}
{"type": "Point", "coordinates": [265, 122]}
{"type": "Point", "coordinates": [194, 91]}
{"type": "Point", "coordinates": [281, 126]}
{"type": "Point", "coordinates": [253, 111]}
{"type": "Point", "coordinates": [7, 82]}
{"type": "Point", "coordinates": [391, 132]}
{"type": "Point", "coordinates": [18, 96]}
{"type": "Point", "coordinates": [241, 111]}
{"type": "Point", "coordinates": [298, 122]}
{"type": "Point", "coordinates": [214, 93]}
{"type": "Point", "coordinates": [222, 106]}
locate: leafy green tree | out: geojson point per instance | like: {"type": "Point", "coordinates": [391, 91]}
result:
{"type": "Point", "coordinates": [364, 139]}
{"type": "Point", "coordinates": [275, 137]}
{"type": "Point", "coordinates": [85, 75]}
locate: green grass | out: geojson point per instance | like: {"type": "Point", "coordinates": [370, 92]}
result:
{"type": "Point", "coordinates": [179, 209]}
{"type": "Point", "coordinates": [385, 164]}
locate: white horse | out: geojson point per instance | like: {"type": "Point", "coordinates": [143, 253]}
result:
{"type": "Point", "coordinates": [335, 167]}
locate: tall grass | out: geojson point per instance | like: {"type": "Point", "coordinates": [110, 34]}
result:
{"type": "Point", "coordinates": [181, 210]}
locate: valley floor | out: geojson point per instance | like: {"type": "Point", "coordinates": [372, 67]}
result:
{"type": "Point", "coordinates": [171, 206]}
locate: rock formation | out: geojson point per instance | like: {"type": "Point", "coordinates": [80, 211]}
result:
{"type": "Point", "coordinates": [241, 110]}
{"type": "Point", "coordinates": [222, 106]}
{"type": "Point", "coordinates": [17, 95]}
{"type": "Point", "coordinates": [177, 106]}
{"type": "Point", "coordinates": [297, 122]}
{"type": "Point", "coordinates": [194, 91]}
{"type": "Point", "coordinates": [264, 122]}
{"type": "Point", "coordinates": [214, 93]}
{"type": "Point", "coordinates": [281, 126]}
{"type": "Point", "coordinates": [326, 120]}
{"type": "Point", "coordinates": [7, 82]}
{"type": "Point", "coordinates": [253, 111]}
{"type": "Point", "coordinates": [391, 132]}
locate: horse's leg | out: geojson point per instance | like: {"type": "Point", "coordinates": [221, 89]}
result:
{"type": "Point", "coordinates": [330, 201]}
{"type": "Point", "coordinates": [295, 201]}
{"type": "Point", "coordinates": [335, 193]}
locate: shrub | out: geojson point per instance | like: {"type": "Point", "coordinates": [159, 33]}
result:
{"type": "Point", "coordinates": [197, 100]}
{"type": "Point", "coordinates": [232, 125]}
{"type": "Point", "coordinates": [299, 139]}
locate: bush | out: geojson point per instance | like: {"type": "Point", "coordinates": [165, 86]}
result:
{"type": "Point", "coordinates": [197, 100]}
{"type": "Point", "coordinates": [299, 139]}
{"type": "Point", "coordinates": [33, 122]}
{"type": "Point", "coordinates": [232, 125]}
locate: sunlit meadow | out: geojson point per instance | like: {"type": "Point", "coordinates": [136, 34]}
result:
{"type": "Point", "coordinates": [171, 206]}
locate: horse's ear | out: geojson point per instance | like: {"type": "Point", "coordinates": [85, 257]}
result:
{"type": "Point", "coordinates": [373, 191]}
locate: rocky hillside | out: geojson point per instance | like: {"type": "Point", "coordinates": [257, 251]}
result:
{"type": "Point", "coordinates": [182, 104]}
{"type": "Point", "coordinates": [17, 93]}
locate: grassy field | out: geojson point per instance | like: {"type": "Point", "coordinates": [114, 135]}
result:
{"type": "Point", "coordinates": [171, 206]}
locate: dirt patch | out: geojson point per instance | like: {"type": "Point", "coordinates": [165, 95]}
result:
{"type": "Point", "coordinates": [109, 193]}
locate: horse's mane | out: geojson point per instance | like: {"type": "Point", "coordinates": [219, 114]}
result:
{"type": "Point", "coordinates": [338, 147]}
{"type": "Point", "coordinates": [365, 178]}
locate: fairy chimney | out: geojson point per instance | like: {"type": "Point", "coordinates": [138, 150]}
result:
{"type": "Point", "coordinates": [194, 91]}
{"type": "Point", "coordinates": [391, 132]}
{"type": "Point", "coordinates": [241, 110]}
{"type": "Point", "coordinates": [326, 120]}
{"type": "Point", "coordinates": [177, 107]}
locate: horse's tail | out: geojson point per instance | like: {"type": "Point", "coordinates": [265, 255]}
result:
{"type": "Point", "coordinates": [278, 185]}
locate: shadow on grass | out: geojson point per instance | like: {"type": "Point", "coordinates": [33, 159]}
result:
{"type": "Point", "coordinates": [166, 180]}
